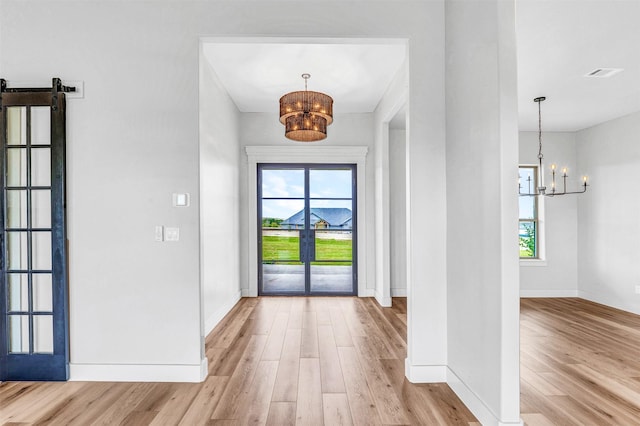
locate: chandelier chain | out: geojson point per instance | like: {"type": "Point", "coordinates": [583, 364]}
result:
{"type": "Point", "coordinates": [540, 156]}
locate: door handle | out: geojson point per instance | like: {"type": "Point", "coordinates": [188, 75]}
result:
{"type": "Point", "coordinates": [312, 245]}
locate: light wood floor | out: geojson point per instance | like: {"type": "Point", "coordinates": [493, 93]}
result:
{"type": "Point", "coordinates": [275, 361]}
{"type": "Point", "coordinates": [580, 363]}
{"type": "Point", "coordinates": [340, 361]}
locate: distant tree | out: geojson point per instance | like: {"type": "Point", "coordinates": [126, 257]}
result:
{"type": "Point", "coordinates": [271, 222]}
{"type": "Point", "coordinates": [528, 241]}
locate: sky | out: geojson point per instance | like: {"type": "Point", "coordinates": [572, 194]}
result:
{"type": "Point", "coordinates": [287, 185]}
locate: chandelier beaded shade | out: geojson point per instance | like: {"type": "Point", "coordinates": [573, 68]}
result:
{"type": "Point", "coordinates": [306, 114]}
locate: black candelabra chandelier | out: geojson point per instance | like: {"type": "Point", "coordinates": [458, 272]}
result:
{"type": "Point", "coordinates": [541, 189]}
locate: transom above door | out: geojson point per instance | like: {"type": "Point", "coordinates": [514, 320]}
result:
{"type": "Point", "coordinates": [306, 228]}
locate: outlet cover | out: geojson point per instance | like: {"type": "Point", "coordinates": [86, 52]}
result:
{"type": "Point", "coordinates": [638, 289]}
{"type": "Point", "coordinates": [171, 234]}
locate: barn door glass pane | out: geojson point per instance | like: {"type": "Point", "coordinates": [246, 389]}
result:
{"type": "Point", "coordinates": [28, 243]}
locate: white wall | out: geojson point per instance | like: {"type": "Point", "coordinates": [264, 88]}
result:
{"type": "Point", "coordinates": [398, 211]}
{"type": "Point", "coordinates": [220, 198]}
{"type": "Point", "coordinates": [608, 225]}
{"type": "Point", "coordinates": [482, 210]}
{"type": "Point", "coordinates": [556, 275]}
{"type": "Point", "coordinates": [132, 142]}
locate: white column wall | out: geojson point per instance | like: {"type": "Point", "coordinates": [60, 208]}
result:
{"type": "Point", "coordinates": [394, 99]}
{"type": "Point", "coordinates": [398, 211]}
{"type": "Point", "coordinates": [608, 225]}
{"type": "Point", "coordinates": [482, 209]}
{"type": "Point", "coordinates": [220, 198]}
{"type": "Point", "coordinates": [426, 204]}
{"type": "Point", "coordinates": [556, 274]}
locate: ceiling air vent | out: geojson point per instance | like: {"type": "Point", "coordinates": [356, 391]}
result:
{"type": "Point", "coordinates": [603, 72]}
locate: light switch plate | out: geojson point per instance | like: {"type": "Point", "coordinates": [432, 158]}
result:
{"type": "Point", "coordinates": [181, 199]}
{"type": "Point", "coordinates": [159, 233]}
{"type": "Point", "coordinates": [171, 234]}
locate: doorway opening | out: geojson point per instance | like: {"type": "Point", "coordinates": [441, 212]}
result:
{"type": "Point", "coordinates": [307, 227]}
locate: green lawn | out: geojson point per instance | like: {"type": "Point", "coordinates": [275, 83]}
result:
{"type": "Point", "coordinates": [277, 248]}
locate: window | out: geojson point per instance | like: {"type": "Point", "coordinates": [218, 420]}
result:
{"type": "Point", "coordinates": [529, 218]}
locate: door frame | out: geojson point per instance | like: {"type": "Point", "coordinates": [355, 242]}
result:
{"type": "Point", "coordinates": [307, 155]}
{"type": "Point", "coordinates": [308, 232]}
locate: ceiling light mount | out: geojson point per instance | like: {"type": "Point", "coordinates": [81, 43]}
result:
{"type": "Point", "coordinates": [539, 188]}
{"type": "Point", "coordinates": [306, 114]}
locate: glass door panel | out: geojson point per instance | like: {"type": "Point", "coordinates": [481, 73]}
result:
{"type": "Point", "coordinates": [331, 207]}
{"type": "Point", "coordinates": [281, 223]}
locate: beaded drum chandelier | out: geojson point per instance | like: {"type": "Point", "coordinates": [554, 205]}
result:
{"type": "Point", "coordinates": [306, 114]}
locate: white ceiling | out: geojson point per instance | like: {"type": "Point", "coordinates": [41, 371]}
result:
{"type": "Point", "coordinates": [558, 43]}
{"type": "Point", "coordinates": [561, 41]}
{"type": "Point", "coordinates": [256, 74]}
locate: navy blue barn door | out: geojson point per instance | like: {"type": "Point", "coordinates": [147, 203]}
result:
{"type": "Point", "coordinates": [34, 336]}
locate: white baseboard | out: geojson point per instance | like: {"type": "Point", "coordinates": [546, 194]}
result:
{"type": "Point", "coordinates": [367, 292]}
{"type": "Point", "coordinates": [548, 293]}
{"type": "Point", "coordinates": [398, 292]}
{"type": "Point", "coordinates": [217, 316]}
{"type": "Point", "coordinates": [607, 301]}
{"type": "Point", "coordinates": [425, 373]}
{"type": "Point", "coordinates": [384, 301]}
{"type": "Point", "coordinates": [194, 373]}
{"type": "Point", "coordinates": [485, 416]}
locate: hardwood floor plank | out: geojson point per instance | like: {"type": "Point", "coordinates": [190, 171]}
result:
{"type": "Point", "coordinates": [295, 313]}
{"type": "Point", "coordinates": [330, 371]}
{"type": "Point", "coordinates": [309, 401]}
{"type": "Point", "coordinates": [230, 358]}
{"type": "Point", "coordinates": [137, 418]}
{"type": "Point", "coordinates": [340, 327]}
{"type": "Point", "coordinates": [175, 408]}
{"type": "Point", "coordinates": [257, 398]}
{"type": "Point", "coordinates": [286, 386]}
{"type": "Point", "coordinates": [361, 403]}
{"type": "Point", "coordinates": [536, 420]}
{"type": "Point", "coordinates": [125, 405]}
{"type": "Point", "coordinates": [282, 414]}
{"type": "Point", "coordinates": [228, 333]}
{"type": "Point", "coordinates": [241, 379]}
{"type": "Point", "coordinates": [389, 407]}
{"type": "Point", "coordinates": [206, 401]}
{"type": "Point", "coordinates": [309, 347]}
{"type": "Point", "coordinates": [81, 408]}
{"type": "Point", "coordinates": [335, 408]}
{"type": "Point", "coordinates": [15, 405]}
{"type": "Point", "coordinates": [273, 347]}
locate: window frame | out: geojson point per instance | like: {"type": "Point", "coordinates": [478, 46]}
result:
{"type": "Point", "coordinates": [538, 219]}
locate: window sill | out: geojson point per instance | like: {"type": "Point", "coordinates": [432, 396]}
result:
{"type": "Point", "coordinates": [533, 262]}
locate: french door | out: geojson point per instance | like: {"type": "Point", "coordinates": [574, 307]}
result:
{"type": "Point", "coordinates": [33, 268]}
{"type": "Point", "coordinates": [306, 229]}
